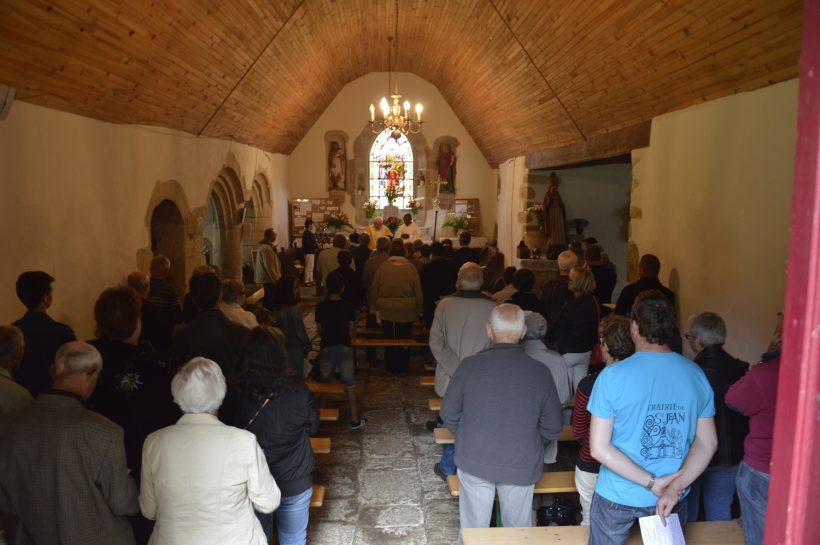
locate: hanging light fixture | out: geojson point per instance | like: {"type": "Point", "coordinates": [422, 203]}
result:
{"type": "Point", "coordinates": [395, 116]}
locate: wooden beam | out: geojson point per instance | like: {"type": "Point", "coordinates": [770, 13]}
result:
{"type": "Point", "coordinates": [606, 145]}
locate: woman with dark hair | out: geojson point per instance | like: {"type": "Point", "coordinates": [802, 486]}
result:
{"type": "Point", "coordinates": [574, 333]}
{"type": "Point", "coordinates": [264, 398]}
{"type": "Point", "coordinates": [289, 320]}
{"type": "Point", "coordinates": [616, 344]}
{"type": "Point", "coordinates": [134, 390]}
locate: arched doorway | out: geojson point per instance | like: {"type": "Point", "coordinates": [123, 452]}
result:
{"type": "Point", "coordinates": [223, 224]}
{"type": "Point", "coordinates": [168, 239]}
{"type": "Point", "coordinates": [212, 232]}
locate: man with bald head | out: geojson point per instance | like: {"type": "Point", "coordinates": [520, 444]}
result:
{"type": "Point", "coordinates": [63, 466]}
{"type": "Point", "coordinates": [458, 332]}
{"type": "Point", "coordinates": [501, 405]}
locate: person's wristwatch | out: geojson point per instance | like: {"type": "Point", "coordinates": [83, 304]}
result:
{"type": "Point", "coordinates": [651, 482]}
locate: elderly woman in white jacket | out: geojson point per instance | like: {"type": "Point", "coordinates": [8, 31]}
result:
{"type": "Point", "coordinates": [201, 479]}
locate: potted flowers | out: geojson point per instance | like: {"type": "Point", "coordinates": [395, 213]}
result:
{"type": "Point", "coordinates": [459, 222]}
{"type": "Point", "coordinates": [392, 223]}
{"type": "Point", "coordinates": [414, 205]}
{"type": "Point", "coordinates": [393, 190]}
{"type": "Point", "coordinates": [337, 220]}
{"type": "Point", "coordinates": [369, 208]}
{"type": "Point", "coordinates": [536, 211]}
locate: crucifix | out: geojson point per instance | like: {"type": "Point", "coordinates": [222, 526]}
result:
{"type": "Point", "coordinates": [436, 202]}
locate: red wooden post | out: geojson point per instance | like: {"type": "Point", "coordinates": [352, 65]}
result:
{"type": "Point", "coordinates": [794, 489]}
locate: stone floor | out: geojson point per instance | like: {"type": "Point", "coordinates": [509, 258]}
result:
{"type": "Point", "coordinates": [381, 489]}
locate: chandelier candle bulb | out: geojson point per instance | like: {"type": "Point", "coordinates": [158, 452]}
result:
{"type": "Point", "coordinates": [419, 108]}
{"type": "Point", "coordinates": [372, 113]}
{"type": "Point", "coordinates": [406, 107]}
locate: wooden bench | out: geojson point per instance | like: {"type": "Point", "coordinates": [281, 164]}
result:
{"type": "Point", "coordinates": [444, 437]}
{"type": "Point", "coordinates": [364, 330]}
{"type": "Point", "coordinates": [551, 482]}
{"type": "Point", "coordinates": [429, 368]}
{"type": "Point", "coordinates": [318, 497]}
{"type": "Point", "coordinates": [320, 445]}
{"type": "Point", "coordinates": [358, 342]}
{"type": "Point", "coordinates": [434, 403]}
{"type": "Point", "coordinates": [696, 533]}
{"type": "Point", "coordinates": [427, 380]}
{"type": "Point", "coordinates": [328, 415]}
{"type": "Point", "coordinates": [331, 388]}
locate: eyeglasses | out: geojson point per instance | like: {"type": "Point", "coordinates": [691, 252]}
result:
{"type": "Point", "coordinates": [687, 336]}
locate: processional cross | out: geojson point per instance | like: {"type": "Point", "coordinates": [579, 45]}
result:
{"type": "Point", "coordinates": [436, 202]}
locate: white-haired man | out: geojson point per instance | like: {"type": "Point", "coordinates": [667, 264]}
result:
{"type": "Point", "coordinates": [63, 466]}
{"type": "Point", "coordinates": [502, 407]}
{"type": "Point", "coordinates": [556, 292]}
{"type": "Point", "coordinates": [12, 395]}
{"type": "Point", "coordinates": [377, 230]}
{"type": "Point", "coordinates": [458, 332]}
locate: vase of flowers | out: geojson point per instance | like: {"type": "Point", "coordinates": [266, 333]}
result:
{"type": "Point", "coordinates": [536, 212]}
{"type": "Point", "coordinates": [369, 208]}
{"type": "Point", "coordinates": [414, 205]}
{"type": "Point", "coordinates": [337, 220]}
{"type": "Point", "coordinates": [392, 223]}
{"type": "Point", "coordinates": [393, 190]}
{"type": "Point", "coordinates": [459, 222]}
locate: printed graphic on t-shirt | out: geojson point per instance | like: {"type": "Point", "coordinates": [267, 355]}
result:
{"type": "Point", "coordinates": [664, 431]}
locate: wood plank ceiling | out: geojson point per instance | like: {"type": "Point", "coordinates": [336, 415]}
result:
{"type": "Point", "coordinates": [522, 75]}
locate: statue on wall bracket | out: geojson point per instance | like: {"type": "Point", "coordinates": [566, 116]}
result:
{"type": "Point", "coordinates": [336, 145]}
{"type": "Point", "coordinates": [446, 162]}
{"type": "Point", "coordinates": [555, 218]}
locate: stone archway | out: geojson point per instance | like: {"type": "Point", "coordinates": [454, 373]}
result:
{"type": "Point", "coordinates": [258, 217]}
{"type": "Point", "coordinates": [223, 223]}
{"type": "Point", "coordinates": [168, 239]}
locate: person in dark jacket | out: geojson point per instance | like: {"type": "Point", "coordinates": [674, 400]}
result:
{"type": "Point", "coordinates": [360, 254]}
{"type": "Point", "coordinates": [353, 291]}
{"type": "Point", "coordinates": [524, 281]}
{"type": "Point", "coordinates": [575, 331]}
{"type": "Point", "coordinates": [43, 336]}
{"type": "Point", "coordinates": [707, 333]}
{"type": "Point", "coordinates": [309, 249]}
{"type": "Point", "coordinates": [464, 252]}
{"type": "Point", "coordinates": [649, 267]}
{"type": "Point", "coordinates": [555, 292]}
{"type": "Point", "coordinates": [134, 389]}
{"type": "Point", "coordinates": [288, 318]}
{"type": "Point", "coordinates": [605, 277]}
{"type": "Point", "coordinates": [210, 334]}
{"type": "Point", "coordinates": [264, 398]}
{"type": "Point", "coordinates": [438, 278]}
{"type": "Point", "coordinates": [157, 324]}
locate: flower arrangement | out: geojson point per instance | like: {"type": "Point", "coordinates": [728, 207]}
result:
{"type": "Point", "coordinates": [580, 224]}
{"type": "Point", "coordinates": [392, 223]}
{"type": "Point", "coordinates": [459, 222]}
{"type": "Point", "coordinates": [393, 190]}
{"type": "Point", "coordinates": [369, 208]}
{"type": "Point", "coordinates": [414, 205]}
{"type": "Point", "coordinates": [538, 211]}
{"type": "Point", "coordinates": [337, 220]}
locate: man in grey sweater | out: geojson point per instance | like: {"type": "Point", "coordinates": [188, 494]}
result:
{"type": "Point", "coordinates": [502, 407]}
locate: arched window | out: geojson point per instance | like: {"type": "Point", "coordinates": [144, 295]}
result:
{"type": "Point", "coordinates": [388, 153]}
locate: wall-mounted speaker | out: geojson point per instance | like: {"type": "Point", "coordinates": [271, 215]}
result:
{"type": "Point", "coordinates": [6, 98]}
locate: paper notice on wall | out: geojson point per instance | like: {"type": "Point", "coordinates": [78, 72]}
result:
{"type": "Point", "coordinates": [654, 532]}
{"type": "Point", "coordinates": [317, 216]}
{"type": "Point", "coordinates": [305, 206]}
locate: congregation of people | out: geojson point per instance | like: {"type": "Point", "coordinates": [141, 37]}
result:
{"type": "Point", "coordinates": [186, 420]}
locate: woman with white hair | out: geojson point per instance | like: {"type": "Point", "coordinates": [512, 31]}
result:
{"type": "Point", "coordinates": [202, 480]}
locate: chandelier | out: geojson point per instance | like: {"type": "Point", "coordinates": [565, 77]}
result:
{"type": "Point", "coordinates": [395, 116]}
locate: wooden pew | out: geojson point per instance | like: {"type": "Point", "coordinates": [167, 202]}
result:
{"type": "Point", "coordinates": [364, 330]}
{"type": "Point", "coordinates": [429, 368]}
{"type": "Point", "coordinates": [551, 482]}
{"type": "Point", "coordinates": [320, 445]}
{"type": "Point", "coordinates": [434, 403]}
{"type": "Point", "coordinates": [444, 437]}
{"type": "Point", "coordinates": [328, 415]}
{"type": "Point", "coordinates": [427, 380]}
{"type": "Point", "coordinates": [318, 497]}
{"type": "Point", "coordinates": [696, 533]}
{"type": "Point", "coordinates": [358, 342]}
{"type": "Point", "coordinates": [332, 388]}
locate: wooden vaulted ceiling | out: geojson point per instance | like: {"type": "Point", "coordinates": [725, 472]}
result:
{"type": "Point", "coordinates": [522, 75]}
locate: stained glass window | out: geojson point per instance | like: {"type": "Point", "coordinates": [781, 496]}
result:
{"type": "Point", "coordinates": [389, 153]}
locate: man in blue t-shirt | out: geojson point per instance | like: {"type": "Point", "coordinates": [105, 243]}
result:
{"type": "Point", "coordinates": [652, 427]}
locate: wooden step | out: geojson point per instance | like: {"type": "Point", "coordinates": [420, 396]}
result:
{"type": "Point", "coordinates": [320, 445]}
{"type": "Point", "coordinates": [318, 497]}
{"type": "Point", "coordinates": [328, 415]}
{"type": "Point", "coordinates": [429, 368]}
{"type": "Point", "coordinates": [427, 380]}
{"type": "Point", "coordinates": [444, 437]}
{"type": "Point", "coordinates": [696, 533]}
{"type": "Point", "coordinates": [332, 388]}
{"type": "Point", "coordinates": [551, 482]}
{"type": "Point", "coordinates": [434, 403]}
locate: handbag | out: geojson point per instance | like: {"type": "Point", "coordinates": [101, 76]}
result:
{"type": "Point", "coordinates": [596, 357]}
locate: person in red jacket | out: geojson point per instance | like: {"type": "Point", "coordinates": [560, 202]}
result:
{"type": "Point", "coordinates": [616, 344]}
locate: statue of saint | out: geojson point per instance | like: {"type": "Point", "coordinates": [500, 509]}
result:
{"type": "Point", "coordinates": [336, 167]}
{"type": "Point", "coordinates": [555, 217]}
{"type": "Point", "coordinates": [446, 167]}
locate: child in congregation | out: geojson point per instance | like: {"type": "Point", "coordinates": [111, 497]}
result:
{"type": "Point", "coordinates": [335, 321]}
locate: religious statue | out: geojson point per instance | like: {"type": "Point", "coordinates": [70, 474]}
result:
{"type": "Point", "coordinates": [446, 167]}
{"type": "Point", "coordinates": [336, 167]}
{"type": "Point", "coordinates": [555, 218]}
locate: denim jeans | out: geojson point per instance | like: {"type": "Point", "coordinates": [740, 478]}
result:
{"type": "Point", "coordinates": [291, 519]}
{"type": "Point", "coordinates": [611, 522]}
{"type": "Point", "coordinates": [753, 492]}
{"type": "Point", "coordinates": [717, 485]}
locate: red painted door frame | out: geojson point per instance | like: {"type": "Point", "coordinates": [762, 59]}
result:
{"type": "Point", "coordinates": [794, 490]}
